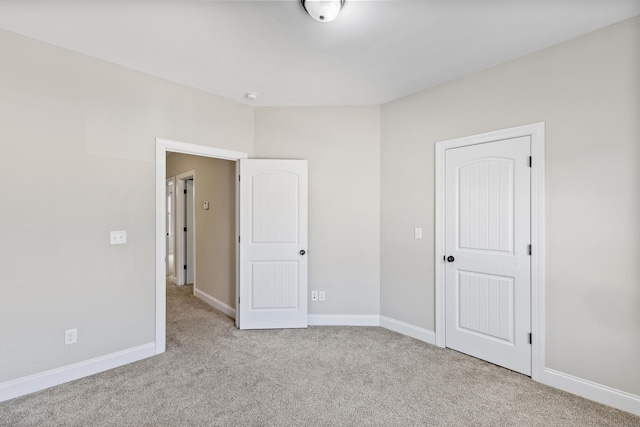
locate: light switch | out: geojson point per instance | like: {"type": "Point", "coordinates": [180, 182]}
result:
{"type": "Point", "coordinates": [418, 233]}
{"type": "Point", "coordinates": [117, 237]}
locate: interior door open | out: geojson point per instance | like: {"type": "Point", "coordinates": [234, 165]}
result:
{"type": "Point", "coordinates": [272, 244]}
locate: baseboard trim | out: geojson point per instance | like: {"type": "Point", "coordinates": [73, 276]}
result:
{"type": "Point", "coordinates": [36, 382]}
{"type": "Point", "coordinates": [408, 329]}
{"type": "Point", "coordinates": [343, 320]}
{"type": "Point", "coordinates": [593, 391]}
{"type": "Point", "coordinates": [216, 303]}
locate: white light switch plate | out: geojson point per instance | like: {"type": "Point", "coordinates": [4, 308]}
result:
{"type": "Point", "coordinates": [418, 233]}
{"type": "Point", "coordinates": [117, 237]}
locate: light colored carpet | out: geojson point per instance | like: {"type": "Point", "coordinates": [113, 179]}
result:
{"type": "Point", "coordinates": [214, 374]}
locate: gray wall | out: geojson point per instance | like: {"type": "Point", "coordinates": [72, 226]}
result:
{"type": "Point", "coordinates": [78, 157]}
{"type": "Point", "coordinates": [587, 91]}
{"type": "Point", "coordinates": [215, 228]}
{"type": "Point", "coordinates": [342, 145]}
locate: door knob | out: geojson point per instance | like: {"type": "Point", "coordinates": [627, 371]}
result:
{"type": "Point", "coordinates": [450, 258]}
{"type": "Point", "coordinates": [302, 252]}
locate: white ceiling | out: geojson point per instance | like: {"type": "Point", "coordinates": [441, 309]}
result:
{"type": "Point", "coordinates": [375, 51]}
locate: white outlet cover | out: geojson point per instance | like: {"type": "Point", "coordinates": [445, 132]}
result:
{"type": "Point", "coordinates": [70, 336]}
{"type": "Point", "coordinates": [117, 237]}
{"type": "Point", "coordinates": [418, 233]}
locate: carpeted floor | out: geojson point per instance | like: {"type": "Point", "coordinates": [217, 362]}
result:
{"type": "Point", "coordinates": [214, 374]}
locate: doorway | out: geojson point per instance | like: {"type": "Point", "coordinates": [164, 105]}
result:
{"type": "Point", "coordinates": [490, 264]}
{"type": "Point", "coordinates": [163, 147]}
{"type": "Point", "coordinates": [285, 189]}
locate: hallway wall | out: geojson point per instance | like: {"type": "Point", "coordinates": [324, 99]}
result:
{"type": "Point", "coordinates": [215, 228]}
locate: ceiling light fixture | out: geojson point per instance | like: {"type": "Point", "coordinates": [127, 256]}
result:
{"type": "Point", "coordinates": [251, 96]}
{"type": "Point", "coordinates": [323, 10]}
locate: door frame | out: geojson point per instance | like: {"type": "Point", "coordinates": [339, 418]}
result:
{"type": "Point", "coordinates": [163, 146]}
{"type": "Point", "coordinates": [537, 133]}
{"type": "Point", "coordinates": [179, 242]}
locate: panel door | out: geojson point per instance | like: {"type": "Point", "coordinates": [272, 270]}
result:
{"type": "Point", "coordinates": [487, 237]}
{"type": "Point", "coordinates": [273, 244]}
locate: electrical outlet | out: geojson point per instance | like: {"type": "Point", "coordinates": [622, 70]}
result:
{"type": "Point", "coordinates": [70, 336]}
{"type": "Point", "coordinates": [322, 296]}
{"type": "Point", "coordinates": [417, 233]}
{"type": "Point", "coordinates": [117, 237]}
{"type": "Point", "coordinates": [314, 295]}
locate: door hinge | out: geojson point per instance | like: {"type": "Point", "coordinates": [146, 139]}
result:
{"type": "Point", "coordinates": [185, 229]}
{"type": "Point", "coordinates": [185, 191]}
{"type": "Point", "coordinates": [185, 267]}
{"type": "Point", "coordinates": [238, 178]}
{"type": "Point", "coordinates": [530, 338]}
{"type": "Point", "coordinates": [238, 239]}
{"type": "Point", "coordinates": [529, 249]}
{"type": "Point", "coordinates": [530, 161]}
{"type": "Point", "coordinates": [238, 300]}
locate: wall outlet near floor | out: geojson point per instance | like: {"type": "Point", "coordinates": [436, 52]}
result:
{"type": "Point", "coordinates": [322, 295]}
{"type": "Point", "coordinates": [314, 295]}
{"type": "Point", "coordinates": [70, 336]}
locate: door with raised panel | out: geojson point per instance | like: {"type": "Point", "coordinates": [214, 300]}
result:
{"type": "Point", "coordinates": [488, 266]}
{"type": "Point", "coordinates": [273, 244]}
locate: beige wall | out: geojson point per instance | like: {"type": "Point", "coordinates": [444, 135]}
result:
{"type": "Point", "coordinates": [78, 159]}
{"type": "Point", "coordinates": [78, 156]}
{"type": "Point", "coordinates": [342, 145]}
{"type": "Point", "coordinates": [587, 91]}
{"type": "Point", "coordinates": [215, 228]}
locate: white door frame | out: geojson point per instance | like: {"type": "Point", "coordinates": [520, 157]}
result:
{"type": "Point", "coordinates": [180, 243]}
{"type": "Point", "coordinates": [162, 147]}
{"type": "Point", "coordinates": [537, 133]}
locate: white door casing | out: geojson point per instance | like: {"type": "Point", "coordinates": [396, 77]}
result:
{"type": "Point", "coordinates": [273, 244]}
{"type": "Point", "coordinates": [487, 238]}
{"type": "Point", "coordinates": [536, 133]}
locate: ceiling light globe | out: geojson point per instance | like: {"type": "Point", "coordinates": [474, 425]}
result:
{"type": "Point", "coordinates": [323, 10]}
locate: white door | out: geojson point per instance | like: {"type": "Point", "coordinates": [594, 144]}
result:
{"type": "Point", "coordinates": [273, 244]}
{"type": "Point", "coordinates": [189, 233]}
{"type": "Point", "coordinates": [169, 226]}
{"type": "Point", "coordinates": [488, 266]}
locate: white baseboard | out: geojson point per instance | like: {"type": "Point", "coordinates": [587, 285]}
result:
{"type": "Point", "coordinates": [593, 391]}
{"type": "Point", "coordinates": [37, 382]}
{"type": "Point", "coordinates": [409, 330]}
{"type": "Point", "coordinates": [216, 303]}
{"type": "Point", "coordinates": [344, 320]}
